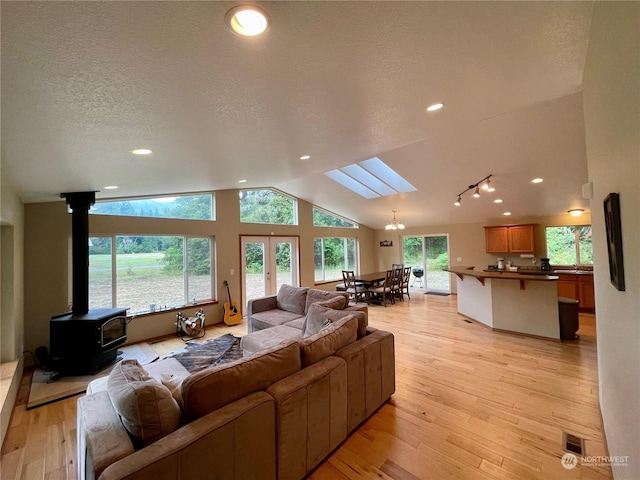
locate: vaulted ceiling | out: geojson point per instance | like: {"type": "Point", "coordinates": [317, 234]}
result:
{"type": "Point", "coordinates": [84, 83]}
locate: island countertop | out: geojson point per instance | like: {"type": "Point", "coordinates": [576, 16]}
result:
{"type": "Point", "coordinates": [527, 306]}
{"type": "Point", "coordinates": [501, 274]}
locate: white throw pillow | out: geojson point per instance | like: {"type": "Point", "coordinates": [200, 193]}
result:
{"type": "Point", "coordinates": [146, 407]}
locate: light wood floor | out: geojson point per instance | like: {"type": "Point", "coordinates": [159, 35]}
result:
{"type": "Point", "coordinates": [469, 404]}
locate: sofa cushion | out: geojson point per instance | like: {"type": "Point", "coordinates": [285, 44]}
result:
{"type": "Point", "coordinates": [211, 388]}
{"type": "Point", "coordinates": [292, 299]}
{"type": "Point", "coordinates": [146, 407]}
{"type": "Point", "coordinates": [267, 338]}
{"type": "Point", "coordinates": [338, 300]}
{"type": "Point", "coordinates": [328, 341]}
{"type": "Point", "coordinates": [321, 311]}
{"type": "Point", "coordinates": [272, 318]}
{"type": "Point", "coordinates": [297, 323]}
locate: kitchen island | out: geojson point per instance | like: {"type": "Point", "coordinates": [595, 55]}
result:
{"type": "Point", "coordinates": [509, 301]}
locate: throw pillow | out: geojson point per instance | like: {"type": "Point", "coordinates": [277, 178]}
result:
{"type": "Point", "coordinates": [316, 319]}
{"type": "Point", "coordinates": [146, 407]}
{"type": "Point", "coordinates": [174, 383]}
{"type": "Point", "coordinates": [339, 300]}
{"type": "Point", "coordinates": [318, 312]}
{"type": "Point", "coordinates": [292, 299]}
{"type": "Point", "coordinates": [328, 340]}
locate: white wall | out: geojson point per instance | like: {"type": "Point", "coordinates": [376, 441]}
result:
{"type": "Point", "coordinates": [612, 122]}
{"type": "Point", "coordinates": [11, 298]}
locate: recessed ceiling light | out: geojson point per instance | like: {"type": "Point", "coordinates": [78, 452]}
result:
{"type": "Point", "coordinates": [110, 187]}
{"type": "Point", "coordinates": [305, 157]}
{"type": "Point", "coordinates": [497, 200]}
{"type": "Point", "coordinates": [537, 180]}
{"type": "Point", "coordinates": [141, 151]}
{"type": "Point", "coordinates": [247, 20]}
{"type": "Point", "coordinates": [491, 189]}
{"type": "Point", "coordinates": [242, 181]}
{"type": "Point", "coordinates": [434, 107]}
{"type": "Point", "coordinates": [507, 214]}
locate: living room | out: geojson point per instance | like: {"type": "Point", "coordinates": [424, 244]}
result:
{"type": "Point", "coordinates": [36, 283]}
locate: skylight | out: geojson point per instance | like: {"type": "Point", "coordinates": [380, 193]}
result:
{"type": "Point", "coordinates": [370, 179]}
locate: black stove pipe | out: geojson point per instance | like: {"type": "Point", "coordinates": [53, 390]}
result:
{"type": "Point", "coordinates": [80, 203]}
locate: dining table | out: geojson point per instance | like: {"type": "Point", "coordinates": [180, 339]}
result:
{"type": "Point", "coordinates": [370, 279]}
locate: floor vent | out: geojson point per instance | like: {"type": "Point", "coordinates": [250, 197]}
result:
{"type": "Point", "coordinates": [572, 443]}
{"type": "Point", "coordinates": [468, 321]}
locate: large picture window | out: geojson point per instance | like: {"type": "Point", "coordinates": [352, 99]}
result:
{"type": "Point", "coordinates": [267, 206]}
{"type": "Point", "coordinates": [332, 255]}
{"type": "Point", "coordinates": [569, 245]}
{"type": "Point", "coordinates": [323, 218]}
{"type": "Point", "coordinates": [188, 207]}
{"type": "Point", "coordinates": [149, 273]}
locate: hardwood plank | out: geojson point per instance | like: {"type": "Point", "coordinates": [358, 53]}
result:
{"type": "Point", "coordinates": [470, 403]}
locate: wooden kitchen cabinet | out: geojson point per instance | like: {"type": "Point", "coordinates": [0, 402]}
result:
{"type": "Point", "coordinates": [568, 286]}
{"type": "Point", "coordinates": [497, 239]}
{"type": "Point", "coordinates": [521, 239]}
{"type": "Point", "coordinates": [586, 294]}
{"type": "Point", "coordinates": [510, 239]}
{"type": "Point", "coordinates": [579, 287]}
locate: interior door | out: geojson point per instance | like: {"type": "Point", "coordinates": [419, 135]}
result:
{"type": "Point", "coordinates": [268, 263]}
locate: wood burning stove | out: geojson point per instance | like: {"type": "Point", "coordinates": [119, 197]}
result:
{"type": "Point", "coordinates": [82, 344]}
{"type": "Point", "coordinates": [83, 341]}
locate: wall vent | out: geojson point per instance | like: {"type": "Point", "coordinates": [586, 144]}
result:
{"type": "Point", "coordinates": [572, 443]}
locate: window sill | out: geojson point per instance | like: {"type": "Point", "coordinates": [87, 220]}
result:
{"type": "Point", "coordinates": [326, 282]}
{"type": "Point", "coordinates": [149, 313]}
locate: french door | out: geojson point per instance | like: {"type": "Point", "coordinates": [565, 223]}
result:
{"type": "Point", "coordinates": [267, 263]}
{"type": "Point", "coordinates": [431, 254]}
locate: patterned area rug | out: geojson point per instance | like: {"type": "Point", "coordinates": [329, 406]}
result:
{"type": "Point", "coordinates": [216, 351]}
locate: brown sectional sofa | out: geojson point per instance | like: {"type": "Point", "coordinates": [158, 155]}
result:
{"type": "Point", "coordinates": [275, 414]}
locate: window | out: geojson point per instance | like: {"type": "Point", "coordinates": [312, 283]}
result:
{"type": "Point", "coordinates": [370, 179]}
{"type": "Point", "coordinates": [267, 206]}
{"type": "Point", "coordinates": [569, 245]}
{"type": "Point", "coordinates": [147, 273]}
{"type": "Point", "coordinates": [322, 218]}
{"type": "Point", "coordinates": [332, 255]}
{"type": "Point", "coordinates": [189, 207]}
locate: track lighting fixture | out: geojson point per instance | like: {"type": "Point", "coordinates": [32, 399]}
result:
{"type": "Point", "coordinates": [485, 184]}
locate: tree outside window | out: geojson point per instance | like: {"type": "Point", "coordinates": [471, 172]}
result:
{"type": "Point", "coordinates": [332, 255]}
{"type": "Point", "coordinates": [569, 245]}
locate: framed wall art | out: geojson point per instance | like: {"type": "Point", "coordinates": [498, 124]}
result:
{"type": "Point", "coordinates": [614, 240]}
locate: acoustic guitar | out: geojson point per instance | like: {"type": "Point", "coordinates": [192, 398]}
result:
{"type": "Point", "coordinates": [231, 313]}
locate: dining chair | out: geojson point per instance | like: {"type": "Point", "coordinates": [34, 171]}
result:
{"type": "Point", "coordinates": [404, 286]}
{"type": "Point", "coordinates": [384, 290]}
{"type": "Point", "coordinates": [357, 291]}
{"type": "Point", "coordinates": [396, 282]}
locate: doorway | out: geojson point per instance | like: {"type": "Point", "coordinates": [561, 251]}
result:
{"type": "Point", "coordinates": [429, 253]}
{"type": "Point", "coordinates": [268, 263]}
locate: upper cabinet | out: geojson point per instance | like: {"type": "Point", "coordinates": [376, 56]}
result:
{"type": "Point", "coordinates": [510, 239]}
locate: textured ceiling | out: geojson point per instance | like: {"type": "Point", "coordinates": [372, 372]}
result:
{"type": "Point", "coordinates": [83, 83]}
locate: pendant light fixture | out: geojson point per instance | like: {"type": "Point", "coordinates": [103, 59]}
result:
{"type": "Point", "coordinates": [394, 225]}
